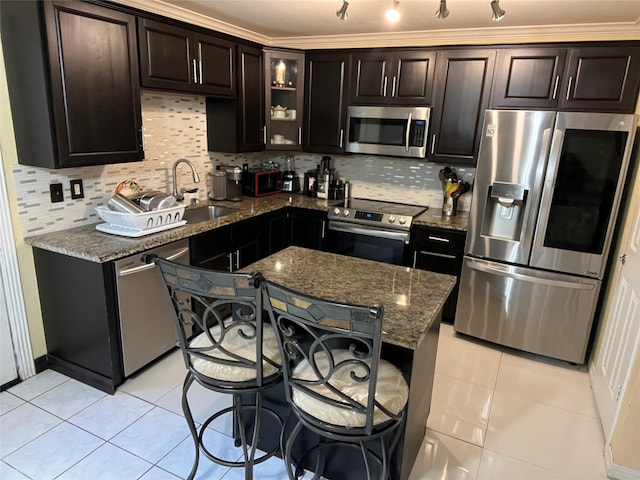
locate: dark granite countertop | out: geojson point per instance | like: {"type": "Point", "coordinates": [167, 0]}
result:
{"type": "Point", "coordinates": [434, 218]}
{"type": "Point", "coordinates": [412, 298]}
{"type": "Point", "coordinates": [87, 243]}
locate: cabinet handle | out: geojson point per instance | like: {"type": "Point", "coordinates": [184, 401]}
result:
{"type": "Point", "coordinates": [141, 137]}
{"type": "Point", "coordinates": [323, 229]}
{"type": "Point", "coordinates": [406, 137]}
{"type": "Point", "coordinates": [441, 255]}
{"type": "Point", "coordinates": [555, 87]}
{"type": "Point", "coordinates": [264, 134]}
{"type": "Point", "coordinates": [569, 87]}
{"type": "Point", "coordinates": [341, 136]}
{"type": "Point", "coordinates": [230, 257]}
{"type": "Point", "coordinates": [200, 71]}
{"type": "Point", "coordinates": [393, 87]}
{"type": "Point", "coordinates": [195, 71]}
{"type": "Point", "coordinates": [433, 143]}
{"type": "Point", "coordinates": [415, 258]}
{"type": "Point", "coordinates": [299, 135]}
{"type": "Point", "coordinates": [384, 87]}
{"type": "Point", "coordinates": [438, 239]}
{"type": "Point", "coordinates": [238, 259]}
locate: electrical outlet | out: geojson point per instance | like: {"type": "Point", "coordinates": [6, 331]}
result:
{"type": "Point", "coordinates": [55, 189]}
{"type": "Point", "coordinates": [77, 190]}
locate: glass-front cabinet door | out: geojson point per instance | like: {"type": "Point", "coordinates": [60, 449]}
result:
{"type": "Point", "coordinates": [284, 74]}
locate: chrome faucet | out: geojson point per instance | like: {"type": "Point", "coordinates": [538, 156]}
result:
{"type": "Point", "coordinates": [179, 194]}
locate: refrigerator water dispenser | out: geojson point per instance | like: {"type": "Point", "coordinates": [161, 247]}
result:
{"type": "Point", "coordinates": [505, 211]}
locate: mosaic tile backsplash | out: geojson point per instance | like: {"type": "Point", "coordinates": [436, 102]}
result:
{"type": "Point", "coordinates": [175, 127]}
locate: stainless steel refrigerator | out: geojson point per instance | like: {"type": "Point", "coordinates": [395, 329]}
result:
{"type": "Point", "coordinates": [545, 202]}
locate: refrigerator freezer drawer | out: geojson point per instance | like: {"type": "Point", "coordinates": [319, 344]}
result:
{"type": "Point", "coordinates": [539, 312]}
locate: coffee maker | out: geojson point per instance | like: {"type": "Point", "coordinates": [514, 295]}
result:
{"type": "Point", "coordinates": [325, 177]}
{"type": "Point", "coordinates": [291, 182]}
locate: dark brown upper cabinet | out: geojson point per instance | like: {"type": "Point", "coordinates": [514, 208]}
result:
{"type": "Point", "coordinates": [284, 99]}
{"type": "Point", "coordinates": [394, 78]}
{"type": "Point", "coordinates": [528, 78]}
{"type": "Point", "coordinates": [461, 95]}
{"type": "Point", "coordinates": [603, 78]}
{"type": "Point", "coordinates": [73, 83]}
{"type": "Point", "coordinates": [236, 124]}
{"type": "Point", "coordinates": [175, 58]}
{"type": "Point", "coordinates": [325, 107]}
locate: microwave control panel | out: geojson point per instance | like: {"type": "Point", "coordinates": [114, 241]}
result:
{"type": "Point", "coordinates": [417, 133]}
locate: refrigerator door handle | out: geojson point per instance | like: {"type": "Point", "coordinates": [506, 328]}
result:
{"type": "Point", "coordinates": [507, 271]}
{"type": "Point", "coordinates": [548, 188]}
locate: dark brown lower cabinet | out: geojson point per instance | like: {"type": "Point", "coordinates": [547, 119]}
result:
{"type": "Point", "coordinates": [440, 250]}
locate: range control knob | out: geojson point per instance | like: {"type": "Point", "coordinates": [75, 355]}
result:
{"type": "Point", "coordinates": [345, 212]}
{"type": "Point", "coordinates": [336, 211]}
{"type": "Point", "coordinates": [402, 220]}
{"type": "Point", "coordinates": [392, 219]}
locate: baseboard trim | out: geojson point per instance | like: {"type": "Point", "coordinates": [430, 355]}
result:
{"type": "Point", "coordinates": [618, 472]}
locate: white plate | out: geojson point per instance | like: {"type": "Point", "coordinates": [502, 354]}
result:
{"type": "Point", "coordinates": [131, 232]}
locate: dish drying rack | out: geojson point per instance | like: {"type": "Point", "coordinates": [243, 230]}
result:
{"type": "Point", "coordinates": [139, 224]}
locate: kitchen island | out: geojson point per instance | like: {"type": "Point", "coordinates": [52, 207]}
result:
{"type": "Point", "coordinates": [413, 301]}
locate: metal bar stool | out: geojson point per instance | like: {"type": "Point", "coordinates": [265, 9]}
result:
{"type": "Point", "coordinates": [337, 385]}
{"type": "Point", "coordinates": [223, 357]}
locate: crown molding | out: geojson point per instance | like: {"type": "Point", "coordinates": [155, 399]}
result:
{"type": "Point", "coordinates": [471, 36]}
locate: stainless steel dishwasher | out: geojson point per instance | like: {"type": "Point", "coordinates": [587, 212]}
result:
{"type": "Point", "coordinates": [147, 327]}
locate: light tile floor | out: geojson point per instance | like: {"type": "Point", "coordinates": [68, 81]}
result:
{"type": "Point", "coordinates": [496, 414]}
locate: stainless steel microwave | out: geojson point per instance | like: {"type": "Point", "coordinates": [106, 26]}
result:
{"type": "Point", "coordinates": [395, 131]}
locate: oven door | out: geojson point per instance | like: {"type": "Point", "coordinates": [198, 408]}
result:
{"type": "Point", "coordinates": [370, 243]}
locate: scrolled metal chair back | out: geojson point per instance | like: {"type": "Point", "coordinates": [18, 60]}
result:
{"type": "Point", "coordinates": [329, 340]}
{"type": "Point", "coordinates": [218, 304]}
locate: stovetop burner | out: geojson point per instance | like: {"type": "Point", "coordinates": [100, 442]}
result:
{"type": "Point", "coordinates": [376, 213]}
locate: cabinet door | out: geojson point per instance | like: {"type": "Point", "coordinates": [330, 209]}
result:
{"type": "Point", "coordinates": [602, 79]}
{"type": "Point", "coordinates": [165, 56]}
{"type": "Point", "coordinates": [246, 240]}
{"type": "Point", "coordinates": [211, 249]}
{"type": "Point", "coordinates": [236, 124]}
{"type": "Point", "coordinates": [284, 75]}
{"type": "Point", "coordinates": [370, 78]}
{"type": "Point", "coordinates": [94, 84]}
{"type": "Point", "coordinates": [250, 99]}
{"type": "Point", "coordinates": [412, 79]}
{"type": "Point", "coordinates": [440, 251]}
{"type": "Point", "coordinates": [528, 78]}
{"type": "Point", "coordinates": [214, 62]}
{"type": "Point", "coordinates": [279, 232]}
{"type": "Point", "coordinates": [325, 105]}
{"type": "Point", "coordinates": [309, 229]}
{"type": "Point", "coordinates": [461, 95]}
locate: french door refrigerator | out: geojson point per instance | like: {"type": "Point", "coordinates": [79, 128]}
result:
{"type": "Point", "coordinates": [545, 201]}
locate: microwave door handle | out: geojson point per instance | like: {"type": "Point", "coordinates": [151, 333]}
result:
{"type": "Point", "coordinates": [406, 137]}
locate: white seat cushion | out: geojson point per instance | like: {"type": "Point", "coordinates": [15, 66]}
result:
{"type": "Point", "coordinates": [391, 391]}
{"type": "Point", "coordinates": [241, 346]}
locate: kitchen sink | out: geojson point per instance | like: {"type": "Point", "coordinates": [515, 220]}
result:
{"type": "Point", "coordinates": [208, 212]}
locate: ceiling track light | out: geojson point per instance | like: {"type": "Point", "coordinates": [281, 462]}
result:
{"type": "Point", "coordinates": [341, 13]}
{"type": "Point", "coordinates": [393, 14]}
{"type": "Point", "coordinates": [442, 12]}
{"type": "Point", "coordinates": [498, 13]}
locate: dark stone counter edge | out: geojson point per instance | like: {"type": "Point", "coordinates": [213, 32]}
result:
{"type": "Point", "coordinates": [87, 243]}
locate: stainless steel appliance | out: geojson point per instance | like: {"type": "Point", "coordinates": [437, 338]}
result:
{"type": "Point", "coordinates": [291, 181]}
{"type": "Point", "coordinates": [373, 230]}
{"type": "Point", "coordinates": [147, 328]}
{"type": "Point", "coordinates": [234, 183]}
{"type": "Point", "coordinates": [545, 201]}
{"type": "Point", "coordinates": [398, 131]}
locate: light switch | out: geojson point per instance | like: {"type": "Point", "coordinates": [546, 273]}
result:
{"type": "Point", "coordinates": [77, 190]}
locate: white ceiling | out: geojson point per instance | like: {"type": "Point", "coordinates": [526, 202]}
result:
{"type": "Point", "coordinates": [313, 23]}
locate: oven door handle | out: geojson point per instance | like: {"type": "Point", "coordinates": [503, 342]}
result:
{"type": "Point", "coordinates": [369, 231]}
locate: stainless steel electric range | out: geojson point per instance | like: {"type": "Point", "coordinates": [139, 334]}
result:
{"type": "Point", "coordinates": [373, 230]}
